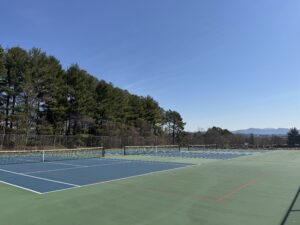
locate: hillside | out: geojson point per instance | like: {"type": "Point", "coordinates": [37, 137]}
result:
{"type": "Point", "coordinates": [263, 131]}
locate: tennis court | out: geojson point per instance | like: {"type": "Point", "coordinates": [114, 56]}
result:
{"type": "Point", "coordinates": [70, 189]}
{"type": "Point", "coordinates": [47, 171]}
{"type": "Point", "coordinates": [49, 176]}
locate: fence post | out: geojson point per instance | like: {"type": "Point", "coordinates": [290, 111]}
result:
{"type": "Point", "coordinates": [54, 141]}
{"type": "Point", "coordinates": [1, 147]}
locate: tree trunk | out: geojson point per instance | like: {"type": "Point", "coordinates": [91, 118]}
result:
{"type": "Point", "coordinates": [7, 110]}
{"type": "Point", "coordinates": [37, 119]}
{"type": "Point", "coordinates": [13, 110]}
{"type": "Point", "coordinates": [173, 134]}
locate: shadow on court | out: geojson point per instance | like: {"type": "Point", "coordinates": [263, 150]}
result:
{"type": "Point", "coordinates": [293, 211]}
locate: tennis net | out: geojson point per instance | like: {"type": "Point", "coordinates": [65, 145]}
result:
{"type": "Point", "coordinates": [201, 147]}
{"type": "Point", "coordinates": [32, 156]}
{"type": "Point", "coordinates": [144, 150]}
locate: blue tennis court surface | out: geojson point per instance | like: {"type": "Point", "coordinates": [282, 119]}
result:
{"type": "Point", "coordinates": [44, 177]}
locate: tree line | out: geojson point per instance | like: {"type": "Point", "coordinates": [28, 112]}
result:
{"type": "Point", "coordinates": [223, 138]}
{"type": "Point", "coordinates": [38, 96]}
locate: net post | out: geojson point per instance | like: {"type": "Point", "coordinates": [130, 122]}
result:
{"type": "Point", "coordinates": [103, 152]}
{"type": "Point", "coordinates": [124, 150]}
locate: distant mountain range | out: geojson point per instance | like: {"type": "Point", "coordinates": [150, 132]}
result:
{"type": "Point", "coordinates": [264, 131]}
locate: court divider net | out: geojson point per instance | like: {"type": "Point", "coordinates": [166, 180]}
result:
{"type": "Point", "coordinates": [144, 150]}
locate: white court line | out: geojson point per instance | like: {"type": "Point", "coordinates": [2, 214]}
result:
{"type": "Point", "coordinates": [124, 178]}
{"type": "Point", "coordinates": [162, 162]}
{"type": "Point", "coordinates": [79, 167]}
{"type": "Point", "coordinates": [108, 181]}
{"type": "Point", "coordinates": [142, 160]}
{"type": "Point", "coordinates": [149, 161]}
{"type": "Point", "coordinates": [108, 164]}
{"type": "Point", "coordinates": [40, 178]}
{"type": "Point", "coordinates": [66, 164]}
{"type": "Point", "coordinates": [71, 164]}
{"type": "Point", "coordinates": [27, 189]}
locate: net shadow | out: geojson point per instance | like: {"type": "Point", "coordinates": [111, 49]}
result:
{"type": "Point", "coordinates": [285, 218]}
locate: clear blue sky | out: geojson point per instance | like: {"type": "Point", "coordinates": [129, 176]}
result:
{"type": "Point", "coordinates": [233, 63]}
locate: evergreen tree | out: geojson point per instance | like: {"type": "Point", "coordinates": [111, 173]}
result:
{"type": "Point", "coordinates": [175, 125]}
{"type": "Point", "coordinates": [3, 76]}
{"type": "Point", "coordinates": [154, 115]}
{"type": "Point", "coordinates": [16, 65]}
{"type": "Point", "coordinates": [38, 96]}
{"type": "Point", "coordinates": [80, 100]}
{"type": "Point", "coordinates": [217, 131]}
{"type": "Point", "coordinates": [43, 80]}
{"type": "Point", "coordinates": [251, 141]}
{"type": "Point", "coordinates": [293, 137]}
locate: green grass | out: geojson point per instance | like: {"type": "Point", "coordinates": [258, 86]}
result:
{"type": "Point", "coordinates": [250, 190]}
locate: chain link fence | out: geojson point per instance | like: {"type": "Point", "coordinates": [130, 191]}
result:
{"type": "Point", "coordinates": [23, 142]}
{"type": "Point", "coordinates": [31, 142]}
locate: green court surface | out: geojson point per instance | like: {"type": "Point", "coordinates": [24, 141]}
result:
{"type": "Point", "coordinates": [256, 190]}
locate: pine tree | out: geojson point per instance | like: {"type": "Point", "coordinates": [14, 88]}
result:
{"type": "Point", "coordinates": [80, 100]}
{"type": "Point", "coordinates": [45, 80]}
{"type": "Point", "coordinates": [293, 137]}
{"type": "Point", "coordinates": [16, 65]}
{"type": "Point", "coordinates": [3, 76]}
{"type": "Point", "coordinates": [175, 125]}
{"type": "Point", "coordinates": [38, 96]}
